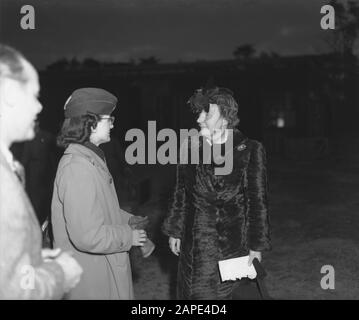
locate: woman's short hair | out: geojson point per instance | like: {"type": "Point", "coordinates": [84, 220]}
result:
{"type": "Point", "coordinates": [11, 64]}
{"type": "Point", "coordinates": [223, 97]}
{"type": "Point", "coordinates": [77, 129]}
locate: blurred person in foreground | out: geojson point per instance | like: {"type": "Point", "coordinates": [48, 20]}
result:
{"type": "Point", "coordinates": [26, 271]}
{"type": "Point", "coordinates": [86, 216]}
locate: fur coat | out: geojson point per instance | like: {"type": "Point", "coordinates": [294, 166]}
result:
{"type": "Point", "coordinates": [218, 217]}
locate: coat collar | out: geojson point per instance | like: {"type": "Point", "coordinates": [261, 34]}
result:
{"type": "Point", "coordinates": [95, 149]}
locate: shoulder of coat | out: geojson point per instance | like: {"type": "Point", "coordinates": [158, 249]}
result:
{"type": "Point", "coordinates": [252, 143]}
{"type": "Point", "coordinates": [249, 145]}
{"type": "Point", "coordinates": [77, 158]}
{"type": "Point", "coordinates": [257, 144]}
{"type": "Point", "coordinates": [74, 160]}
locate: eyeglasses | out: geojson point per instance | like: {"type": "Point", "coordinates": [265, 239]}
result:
{"type": "Point", "coordinates": [110, 119]}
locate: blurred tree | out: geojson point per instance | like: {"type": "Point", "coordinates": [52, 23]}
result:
{"type": "Point", "coordinates": [61, 64]}
{"type": "Point", "coordinates": [74, 63]}
{"type": "Point", "coordinates": [64, 64]}
{"type": "Point", "coordinates": [149, 60]}
{"type": "Point", "coordinates": [91, 63]}
{"type": "Point", "coordinates": [268, 55]}
{"type": "Point", "coordinates": [244, 52]}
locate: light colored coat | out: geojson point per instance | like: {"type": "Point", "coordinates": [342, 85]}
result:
{"type": "Point", "coordinates": [87, 220]}
{"type": "Point", "coordinates": [23, 272]}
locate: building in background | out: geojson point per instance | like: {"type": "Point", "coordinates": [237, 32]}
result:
{"type": "Point", "coordinates": [293, 104]}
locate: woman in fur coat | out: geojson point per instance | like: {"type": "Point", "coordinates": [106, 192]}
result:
{"type": "Point", "coordinates": [214, 217]}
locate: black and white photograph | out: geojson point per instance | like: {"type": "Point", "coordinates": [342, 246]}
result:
{"type": "Point", "coordinates": [179, 150]}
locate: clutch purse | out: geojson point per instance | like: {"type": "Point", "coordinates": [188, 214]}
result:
{"type": "Point", "coordinates": [251, 289]}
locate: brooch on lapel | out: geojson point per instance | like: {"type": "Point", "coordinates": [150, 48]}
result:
{"type": "Point", "coordinates": [241, 147]}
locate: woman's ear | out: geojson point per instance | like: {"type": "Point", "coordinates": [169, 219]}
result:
{"type": "Point", "coordinates": [93, 129]}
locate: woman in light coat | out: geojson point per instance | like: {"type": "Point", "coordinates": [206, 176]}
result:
{"type": "Point", "coordinates": [86, 215]}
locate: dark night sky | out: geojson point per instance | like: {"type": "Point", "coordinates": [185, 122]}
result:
{"type": "Point", "coordinates": [172, 30]}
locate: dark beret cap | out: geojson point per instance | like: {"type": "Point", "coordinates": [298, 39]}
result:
{"type": "Point", "coordinates": [89, 100]}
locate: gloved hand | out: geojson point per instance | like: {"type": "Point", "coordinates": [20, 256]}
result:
{"type": "Point", "coordinates": [141, 222]}
{"type": "Point", "coordinates": [138, 222]}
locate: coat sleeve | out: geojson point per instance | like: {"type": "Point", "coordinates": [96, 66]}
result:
{"type": "Point", "coordinates": [84, 218]}
{"type": "Point", "coordinates": [174, 223]}
{"type": "Point", "coordinates": [126, 215]}
{"type": "Point", "coordinates": [23, 273]}
{"type": "Point", "coordinates": [258, 221]}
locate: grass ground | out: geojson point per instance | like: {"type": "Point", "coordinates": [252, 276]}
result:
{"type": "Point", "coordinates": [314, 211]}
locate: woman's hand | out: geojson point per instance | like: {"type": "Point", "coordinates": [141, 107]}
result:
{"type": "Point", "coordinates": [175, 245]}
{"type": "Point", "coordinates": [71, 268]}
{"type": "Point", "coordinates": [254, 254]}
{"type": "Point", "coordinates": [139, 237]}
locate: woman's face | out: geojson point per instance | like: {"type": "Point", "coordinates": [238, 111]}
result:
{"type": "Point", "coordinates": [211, 120]}
{"type": "Point", "coordinates": [25, 104]}
{"type": "Point", "coordinates": [101, 134]}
